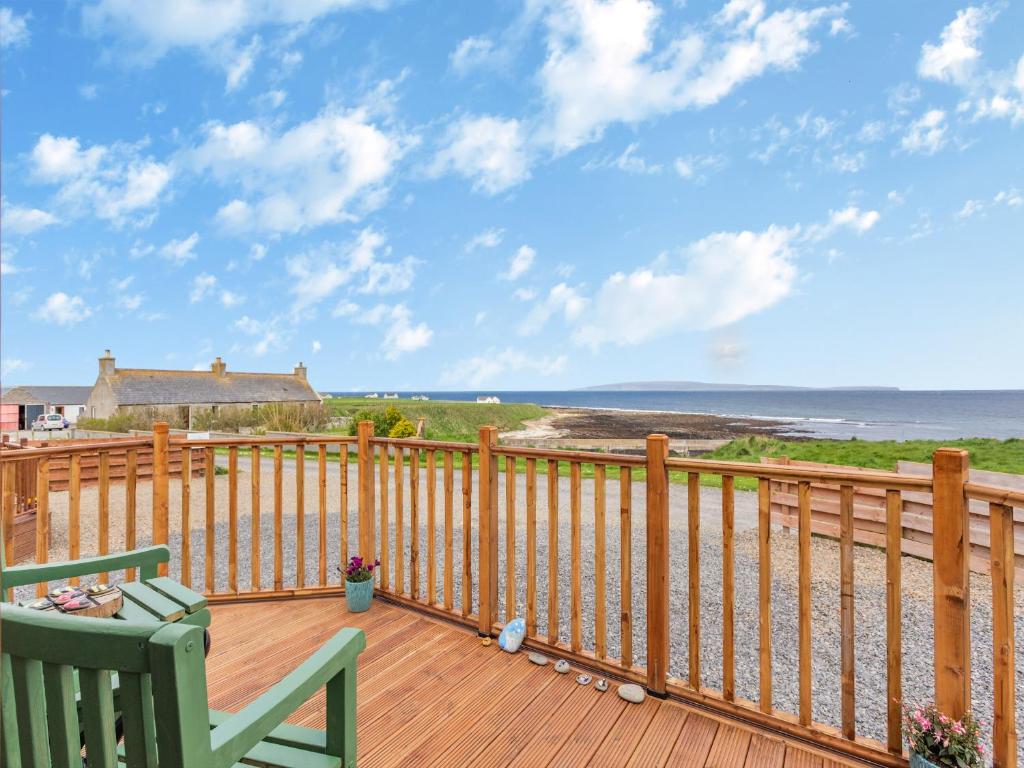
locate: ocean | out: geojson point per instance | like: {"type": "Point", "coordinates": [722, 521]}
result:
{"type": "Point", "coordinates": [844, 414]}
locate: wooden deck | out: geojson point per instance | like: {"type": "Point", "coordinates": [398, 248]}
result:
{"type": "Point", "coordinates": [431, 694]}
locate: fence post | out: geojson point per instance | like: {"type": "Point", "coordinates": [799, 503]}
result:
{"type": "Point", "coordinates": [657, 564]}
{"type": "Point", "coordinates": [367, 535]}
{"type": "Point", "coordinates": [488, 514]}
{"type": "Point", "coordinates": [160, 510]}
{"type": "Point", "coordinates": [951, 557]}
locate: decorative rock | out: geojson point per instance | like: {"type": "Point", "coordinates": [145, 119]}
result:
{"type": "Point", "coordinates": [539, 659]}
{"type": "Point", "coordinates": [512, 635]}
{"type": "Point", "coordinates": [562, 666]}
{"type": "Point", "coordinates": [632, 693]}
{"type": "Point", "coordinates": [583, 679]}
{"type": "Point", "coordinates": [485, 641]}
{"type": "Point", "coordinates": [601, 685]}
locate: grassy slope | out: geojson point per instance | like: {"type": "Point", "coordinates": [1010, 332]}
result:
{"type": "Point", "coordinates": [446, 419]}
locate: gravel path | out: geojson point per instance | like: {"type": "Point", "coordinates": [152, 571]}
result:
{"type": "Point", "coordinates": [869, 582]}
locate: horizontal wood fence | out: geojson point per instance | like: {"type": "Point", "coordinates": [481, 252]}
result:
{"type": "Point", "coordinates": [580, 545]}
{"type": "Point", "coordinates": [870, 512]}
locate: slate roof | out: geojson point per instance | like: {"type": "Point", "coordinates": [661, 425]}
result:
{"type": "Point", "coordinates": [149, 387]}
{"type": "Point", "coordinates": [29, 395]}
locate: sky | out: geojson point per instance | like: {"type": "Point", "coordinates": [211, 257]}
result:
{"type": "Point", "coordinates": [525, 194]}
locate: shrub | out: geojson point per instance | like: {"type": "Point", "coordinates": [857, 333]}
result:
{"type": "Point", "coordinates": [403, 428]}
{"type": "Point", "coordinates": [383, 420]}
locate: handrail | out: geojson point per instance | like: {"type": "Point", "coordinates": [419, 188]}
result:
{"type": "Point", "coordinates": [585, 457]}
{"type": "Point", "coordinates": [29, 453]}
{"type": "Point", "coordinates": [994, 494]}
{"type": "Point", "coordinates": [416, 442]}
{"type": "Point", "coordinates": [216, 442]}
{"type": "Point", "coordinates": [868, 478]}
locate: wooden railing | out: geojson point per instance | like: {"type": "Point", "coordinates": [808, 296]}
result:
{"type": "Point", "coordinates": [481, 532]}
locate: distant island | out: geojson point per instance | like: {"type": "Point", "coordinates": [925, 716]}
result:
{"type": "Point", "coordinates": [703, 386]}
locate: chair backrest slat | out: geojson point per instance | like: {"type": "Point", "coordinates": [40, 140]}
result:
{"type": "Point", "coordinates": [98, 717]}
{"type": "Point", "coordinates": [62, 716]}
{"type": "Point", "coordinates": [10, 750]}
{"type": "Point", "coordinates": [31, 705]}
{"type": "Point", "coordinates": [139, 721]}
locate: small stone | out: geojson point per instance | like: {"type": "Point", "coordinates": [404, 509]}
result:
{"type": "Point", "coordinates": [601, 685]}
{"type": "Point", "coordinates": [562, 666]}
{"type": "Point", "coordinates": [485, 641]}
{"type": "Point", "coordinates": [583, 679]}
{"type": "Point", "coordinates": [632, 693]}
{"type": "Point", "coordinates": [539, 659]}
{"type": "Point", "coordinates": [512, 635]}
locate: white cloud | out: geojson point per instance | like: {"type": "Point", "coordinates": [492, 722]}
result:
{"type": "Point", "coordinates": [472, 53]}
{"type": "Point", "coordinates": [271, 99]}
{"type": "Point", "coordinates": [402, 336]}
{"type": "Point", "coordinates": [520, 263]}
{"type": "Point", "coordinates": [489, 238]}
{"type": "Point", "coordinates": [180, 251]}
{"type": "Point", "coordinates": [525, 294]}
{"type": "Point", "coordinates": [13, 29]}
{"type": "Point", "coordinates": [474, 372]}
{"type": "Point", "coordinates": [872, 131]}
{"type": "Point", "coordinates": [328, 170]}
{"type": "Point", "coordinates": [128, 301]}
{"type": "Point", "coordinates": [1011, 197]}
{"type": "Point", "coordinates": [266, 334]}
{"type": "Point", "coordinates": [849, 162]}
{"type": "Point", "coordinates": [479, 318]}
{"type": "Point", "coordinates": [88, 91]}
{"type": "Point", "coordinates": [61, 309]}
{"type": "Point", "coordinates": [7, 265]}
{"type": "Point", "coordinates": [896, 197]}
{"type": "Point", "coordinates": [317, 346]}
{"type": "Point", "coordinates": [241, 64]}
{"type": "Point", "coordinates": [112, 181]}
{"type": "Point", "coordinates": [629, 162]}
{"type": "Point", "coordinates": [927, 134]}
{"type": "Point", "coordinates": [11, 365]}
{"type": "Point", "coordinates": [851, 218]}
{"type": "Point", "coordinates": [230, 299]}
{"type": "Point", "coordinates": [969, 209]}
{"type": "Point", "coordinates": [489, 150]}
{"type": "Point", "coordinates": [562, 299]}
{"type": "Point", "coordinates": [603, 66]}
{"type": "Point", "coordinates": [697, 167]}
{"type": "Point", "coordinates": [24, 221]}
{"type": "Point", "coordinates": [955, 58]}
{"type": "Point", "coordinates": [202, 286]}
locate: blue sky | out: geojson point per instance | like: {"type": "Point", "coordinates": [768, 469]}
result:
{"type": "Point", "coordinates": [520, 195]}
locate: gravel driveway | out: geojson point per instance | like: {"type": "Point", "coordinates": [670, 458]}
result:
{"type": "Point", "coordinates": [869, 581]}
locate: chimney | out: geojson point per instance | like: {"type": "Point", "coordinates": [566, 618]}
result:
{"type": "Point", "coordinates": [106, 364]}
{"type": "Point", "coordinates": [300, 371]}
{"type": "Point", "coordinates": [218, 367]}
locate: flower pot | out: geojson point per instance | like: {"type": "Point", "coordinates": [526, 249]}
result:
{"type": "Point", "coordinates": [358, 595]}
{"type": "Point", "coordinates": [919, 761]}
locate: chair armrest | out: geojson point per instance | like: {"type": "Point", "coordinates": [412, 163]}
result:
{"type": "Point", "coordinates": [146, 559]}
{"type": "Point", "coordinates": [242, 731]}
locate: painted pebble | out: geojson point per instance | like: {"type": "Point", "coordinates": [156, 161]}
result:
{"type": "Point", "coordinates": [538, 659]}
{"type": "Point", "coordinates": [632, 693]}
{"type": "Point", "coordinates": [583, 679]}
{"type": "Point", "coordinates": [512, 635]}
{"type": "Point", "coordinates": [562, 666]}
{"type": "Point", "coordinates": [601, 685]}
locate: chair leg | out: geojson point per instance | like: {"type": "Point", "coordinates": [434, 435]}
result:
{"type": "Point", "coordinates": [341, 716]}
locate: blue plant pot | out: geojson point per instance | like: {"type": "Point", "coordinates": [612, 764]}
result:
{"type": "Point", "coordinates": [358, 595]}
{"type": "Point", "coordinates": [917, 761]}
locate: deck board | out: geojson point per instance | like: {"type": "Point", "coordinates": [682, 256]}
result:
{"type": "Point", "coordinates": [429, 693]}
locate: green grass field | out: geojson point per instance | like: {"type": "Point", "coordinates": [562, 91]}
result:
{"type": "Point", "coordinates": [446, 419]}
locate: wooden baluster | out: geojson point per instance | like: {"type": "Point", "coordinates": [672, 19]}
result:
{"type": "Point", "coordinates": [186, 513]}
{"type": "Point", "coordinates": [233, 519]}
{"type": "Point", "coordinates": [367, 536]}
{"type": "Point", "coordinates": [531, 547]}
{"type": "Point", "coordinates": [951, 590]}
{"type": "Point", "coordinates": [399, 520]}
{"type": "Point", "coordinates": [254, 542]}
{"type": "Point", "coordinates": [385, 524]}
{"type": "Point", "coordinates": [1002, 559]}
{"type": "Point", "coordinates": [846, 647]}
{"type": "Point", "coordinates": [343, 511]}
{"type": "Point", "coordinates": [74, 514]}
{"type": "Point", "coordinates": [626, 565]}
{"type": "Point", "coordinates": [510, 538]}
{"type": "Point", "coordinates": [552, 552]}
{"type": "Point", "coordinates": [8, 474]}
{"type": "Point", "coordinates": [130, 482]}
{"type": "Point", "coordinates": [431, 528]}
{"type": "Point", "coordinates": [161, 488]}
{"type": "Point", "coordinates": [804, 597]}
{"type": "Point", "coordinates": [278, 517]}
{"type": "Point", "coordinates": [414, 523]}
{"type": "Point", "coordinates": [300, 515]}
{"type": "Point", "coordinates": [728, 589]}
{"type": "Point", "coordinates": [693, 567]}
{"type": "Point", "coordinates": [321, 463]}
{"type": "Point", "coordinates": [42, 519]}
{"type": "Point", "coordinates": [467, 541]}
{"type": "Point", "coordinates": [103, 499]}
{"type": "Point", "coordinates": [764, 583]}
{"type": "Point", "coordinates": [894, 619]}
{"type": "Point", "coordinates": [575, 539]}
{"type": "Point", "coordinates": [449, 525]}
{"type": "Point", "coordinates": [600, 628]}
{"type": "Point", "coordinates": [210, 584]}
{"type": "Point", "coordinates": [657, 564]}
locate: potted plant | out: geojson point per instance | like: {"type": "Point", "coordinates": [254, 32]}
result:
{"type": "Point", "coordinates": [359, 584]}
{"type": "Point", "coordinates": [937, 741]}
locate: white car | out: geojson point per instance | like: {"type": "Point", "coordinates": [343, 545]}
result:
{"type": "Point", "coordinates": [48, 421]}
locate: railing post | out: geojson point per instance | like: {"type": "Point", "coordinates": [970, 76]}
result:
{"type": "Point", "coordinates": [951, 557]}
{"type": "Point", "coordinates": [488, 512]}
{"type": "Point", "coordinates": [160, 510]}
{"type": "Point", "coordinates": [657, 564]}
{"type": "Point", "coordinates": [367, 535]}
